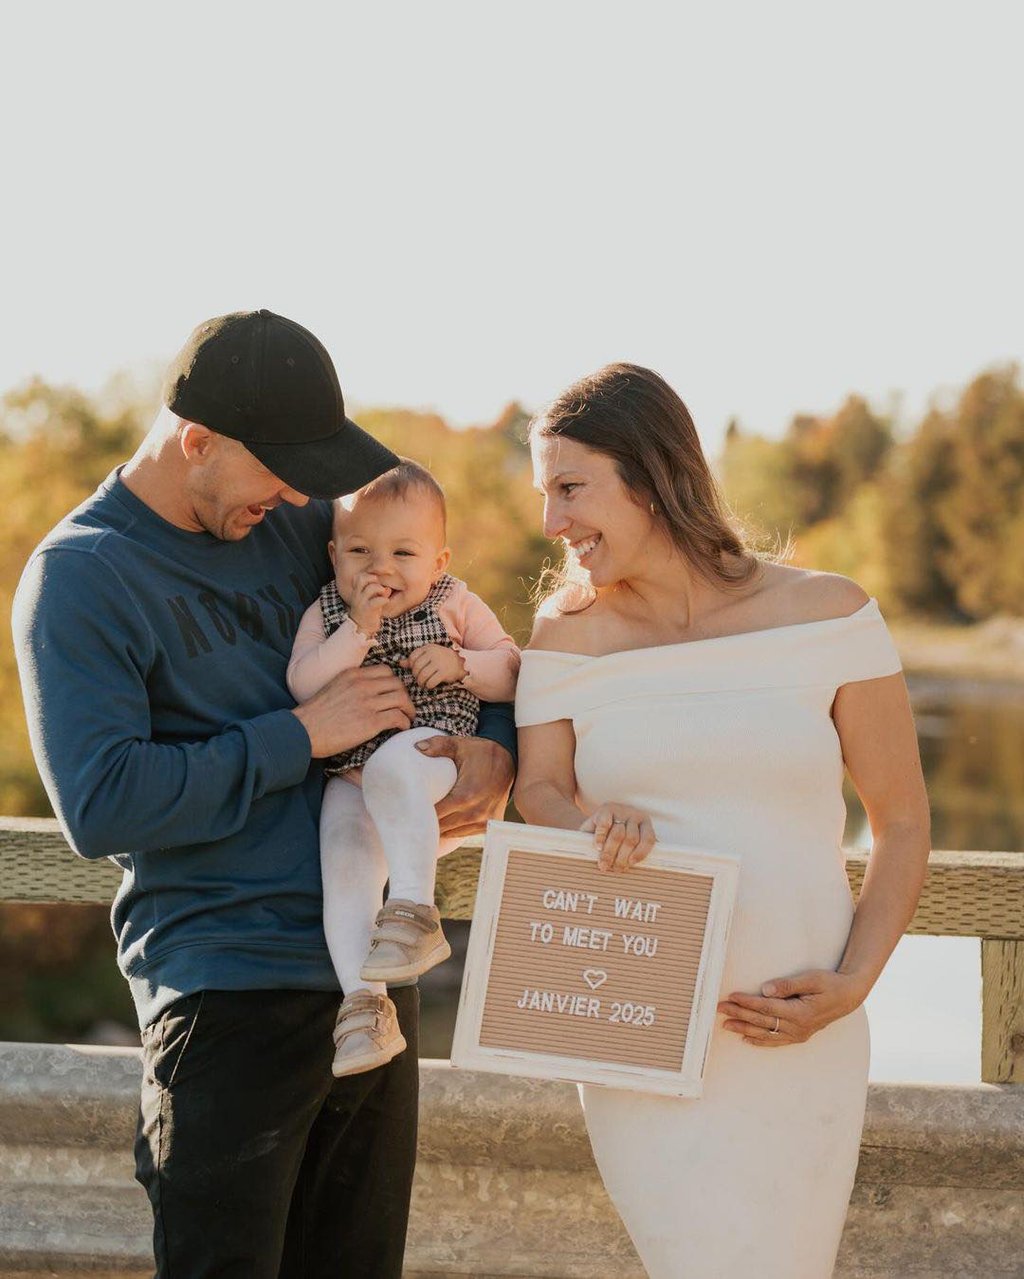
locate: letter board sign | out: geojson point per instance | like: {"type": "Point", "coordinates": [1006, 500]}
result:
{"type": "Point", "coordinates": [594, 977]}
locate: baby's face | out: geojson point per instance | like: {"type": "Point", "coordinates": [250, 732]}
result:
{"type": "Point", "coordinates": [400, 540]}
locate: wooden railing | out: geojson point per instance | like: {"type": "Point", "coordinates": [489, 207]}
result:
{"type": "Point", "coordinates": [965, 895]}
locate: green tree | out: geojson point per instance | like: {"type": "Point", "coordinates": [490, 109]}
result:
{"type": "Point", "coordinates": [919, 481]}
{"type": "Point", "coordinates": [858, 443]}
{"type": "Point", "coordinates": [984, 507]}
{"type": "Point", "coordinates": [55, 447]}
{"type": "Point", "coordinates": [788, 485]}
{"type": "Point", "coordinates": [757, 478]}
{"type": "Point", "coordinates": [852, 543]}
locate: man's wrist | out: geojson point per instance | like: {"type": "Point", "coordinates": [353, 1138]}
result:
{"type": "Point", "coordinates": [303, 718]}
{"type": "Point", "coordinates": [496, 724]}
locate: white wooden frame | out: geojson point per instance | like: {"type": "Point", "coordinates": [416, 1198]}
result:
{"type": "Point", "coordinates": [467, 1051]}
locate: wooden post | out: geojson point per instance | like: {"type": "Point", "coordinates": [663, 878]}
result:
{"type": "Point", "coordinates": [1002, 1011]}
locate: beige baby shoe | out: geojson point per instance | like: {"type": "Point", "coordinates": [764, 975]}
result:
{"type": "Point", "coordinates": [366, 1034]}
{"type": "Point", "coordinates": [407, 940]}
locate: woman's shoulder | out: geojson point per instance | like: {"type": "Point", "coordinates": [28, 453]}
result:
{"type": "Point", "coordinates": [797, 595]}
{"type": "Point", "coordinates": [555, 632]}
{"type": "Point", "coordinates": [554, 679]}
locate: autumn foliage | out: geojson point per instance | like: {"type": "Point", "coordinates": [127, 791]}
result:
{"type": "Point", "coordinates": [930, 520]}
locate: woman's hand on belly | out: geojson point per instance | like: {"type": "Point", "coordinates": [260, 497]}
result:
{"type": "Point", "coordinates": [790, 1010]}
{"type": "Point", "coordinates": [623, 835]}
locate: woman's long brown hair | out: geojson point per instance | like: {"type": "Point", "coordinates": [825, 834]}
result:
{"type": "Point", "coordinates": [633, 416]}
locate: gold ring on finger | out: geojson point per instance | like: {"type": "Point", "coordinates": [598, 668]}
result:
{"type": "Point", "coordinates": [775, 1029]}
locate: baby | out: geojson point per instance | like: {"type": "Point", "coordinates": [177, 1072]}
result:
{"type": "Point", "coordinates": [393, 602]}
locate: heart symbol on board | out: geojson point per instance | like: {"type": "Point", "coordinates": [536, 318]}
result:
{"type": "Point", "coordinates": [594, 977]}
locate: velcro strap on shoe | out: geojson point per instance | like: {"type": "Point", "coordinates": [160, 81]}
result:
{"type": "Point", "coordinates": [360, 1021]}
{"type": "Point", "coordinates": [395, 931]}
{"type": "Point", "coordinates": [369, 1013]}
{"type": "Point", "coordinates": [421, 919]}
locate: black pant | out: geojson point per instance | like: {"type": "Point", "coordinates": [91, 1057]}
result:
{"type": "Point", "coordinates": [258, 1163]}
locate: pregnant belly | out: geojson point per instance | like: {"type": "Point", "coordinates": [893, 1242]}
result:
{"type": "Point", "coordinates": [758, 778]}
{"type": "Point", "coordinates": [793, 905]}
{"type": "Point", "coordinates": [783, 925]}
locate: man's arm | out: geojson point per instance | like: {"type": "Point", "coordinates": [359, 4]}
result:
{"type": "Point", "coordinates": [83, 651]}
{"type": "Point", "coordinates": [497, 723]}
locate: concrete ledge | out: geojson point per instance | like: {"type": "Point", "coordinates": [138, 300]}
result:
{"type": "Point", "coordinates": [69, 1095]}
{"type": "Point", "coordinates": [504, 1165]}
{"type": "Point", "coordinates": [940, 1135]}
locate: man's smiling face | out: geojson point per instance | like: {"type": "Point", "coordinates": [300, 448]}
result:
{"type": "Point", "coordinates": [229, 490]}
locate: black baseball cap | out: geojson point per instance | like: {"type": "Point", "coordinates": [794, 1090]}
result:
{"type": "Point", "coordinates": [270, 384]}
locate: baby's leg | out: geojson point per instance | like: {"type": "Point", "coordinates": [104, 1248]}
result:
{"type": "Point", "coordinates": [354, 871]}
{"type": "Point", "coordinates": [401, 787]}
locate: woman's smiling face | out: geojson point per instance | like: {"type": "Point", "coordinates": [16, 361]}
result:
{"type": "Point", "coordinates": [587, 505]}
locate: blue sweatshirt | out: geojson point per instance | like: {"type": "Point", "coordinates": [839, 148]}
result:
{"type": "Point", "coordinates": [152, 662]}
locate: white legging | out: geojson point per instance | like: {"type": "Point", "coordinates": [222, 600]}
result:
{"type": "Point", "coordinates": [385, 830]}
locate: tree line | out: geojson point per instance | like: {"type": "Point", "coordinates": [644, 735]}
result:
{"type": "Point", "coordinates": [930, 520]}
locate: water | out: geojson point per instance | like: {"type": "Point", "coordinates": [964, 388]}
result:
{"type": "Point", "coordinates": [925, 1013]}
{"type": "Point", "coordinates": [925, 1010]}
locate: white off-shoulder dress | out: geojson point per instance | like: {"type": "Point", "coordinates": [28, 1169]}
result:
{"type": "Point", "coordinates": [729, 745]}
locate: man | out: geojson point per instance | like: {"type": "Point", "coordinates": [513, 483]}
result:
{"type": "Point", "coordinates": [153, 627]}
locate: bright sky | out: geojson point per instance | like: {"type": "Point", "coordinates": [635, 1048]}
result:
{"type": "Point", "coordinates": [771, 204]}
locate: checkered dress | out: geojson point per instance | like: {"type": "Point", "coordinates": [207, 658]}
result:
{"type": "Point", "coordinates": [450, 708]}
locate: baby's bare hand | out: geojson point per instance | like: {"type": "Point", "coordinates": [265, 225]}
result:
{"type": "Point", "coordinates": [433, 665]}
{"type": "Point", "coordinates": [367, 604]}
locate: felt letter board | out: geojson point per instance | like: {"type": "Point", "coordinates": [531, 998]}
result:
{"type": "Point", "coordinates": [597, 978]}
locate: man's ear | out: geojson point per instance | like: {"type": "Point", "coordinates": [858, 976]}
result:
{"type": "Point", "coordinates": [443, 560]}
{"type": "Point", "coordinates": [196, 440]}
{"type": "Point", "coordinates": [333, 554]}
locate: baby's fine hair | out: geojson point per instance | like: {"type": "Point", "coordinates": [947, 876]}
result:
{"type": "Point", "coordinates": [395, 484]}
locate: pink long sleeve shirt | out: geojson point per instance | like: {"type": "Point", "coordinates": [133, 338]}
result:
{"type": "Point", "coordinates": [491, 657]}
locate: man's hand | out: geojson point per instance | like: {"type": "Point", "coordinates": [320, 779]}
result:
{"type": "Point", "coordinates": [355, 706]}
{"type": "Point", "coordinates": [433, 665]}
{"type": "Point", "coordinates": [481, 788]}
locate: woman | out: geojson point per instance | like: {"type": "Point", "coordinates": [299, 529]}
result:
{"type": "Point", "coordinates": [677, 687]}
